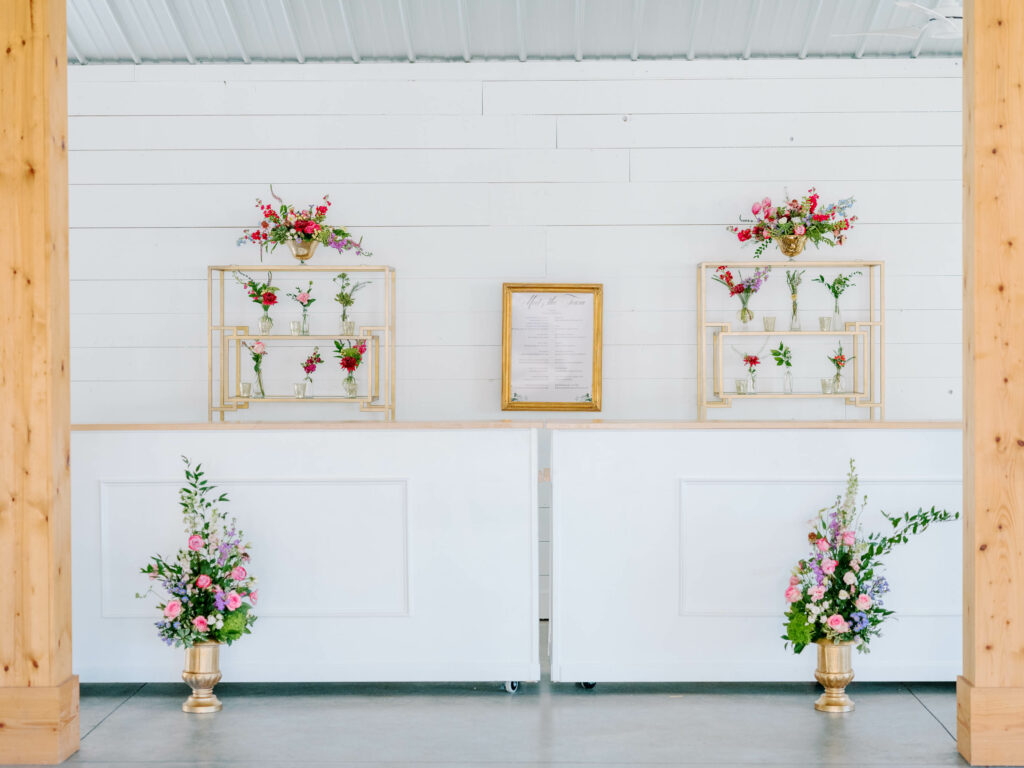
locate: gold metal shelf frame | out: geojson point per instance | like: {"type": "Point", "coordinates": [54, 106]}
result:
{"type": "Point", "coordinates": [868, 337]}
{"type": "Point", "coordinates": [224, 344]}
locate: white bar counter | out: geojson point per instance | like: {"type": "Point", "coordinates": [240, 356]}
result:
{"type": "Point", "coordinates": [673, 544]}
{"type": "Point", "coordinates": [384, 551]}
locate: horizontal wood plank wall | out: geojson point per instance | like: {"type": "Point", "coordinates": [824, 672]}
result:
{"type": "Point", "coordinates": [463, 176]}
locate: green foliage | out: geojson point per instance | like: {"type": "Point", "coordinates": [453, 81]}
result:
{"type": "Point", "coordinates": [783, 355]}
{"type": "Point", "coordinates": [838, 286]}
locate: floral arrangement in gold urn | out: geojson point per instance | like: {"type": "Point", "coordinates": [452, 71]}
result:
{"type": "Point", "coordinates": [793, 223]}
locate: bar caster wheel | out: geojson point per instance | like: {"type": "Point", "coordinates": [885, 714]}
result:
{"type": "Point", "coordinates": [511, 686]}
{"type": "Point", "coordinates": [587, 686]}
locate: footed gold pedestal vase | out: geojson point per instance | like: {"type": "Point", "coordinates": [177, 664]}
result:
{"type": "Point", "coordinates": [202, 672]}
{"type": "Point", "coordinates": [791, 245]}
{"type": "Point", "coordinates": [834, 672]}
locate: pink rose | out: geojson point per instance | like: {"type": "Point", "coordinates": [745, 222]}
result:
{"type": "Point", "coordinates": [828, 567]}
{"type": "Point", "coordinates": [195, 542]}
{"type": "Point", "coordinates": [238, 574]}
{"type": "Point", "coordinates": [203, 581]}
{"type": "Point", "coordinates": [199, 622]}
{"type": "Point", "coordinates": [863, 601]}
{"type": "Point", "coordinates": [302, 297]}
{"type": "Point", "coordinates": [755, 208]}
{"type": "Point", "coordinates": [794, 580]}
{"type": "Point", "coordinates": [173, 609]}
{"type": "Point", "coordinates": [799, 229]}
{"type": "Point", "coordinates": [233, 600]}
{"type": "Point", "coordinates": [252, 596]}
{"type": "Point", "coordinates": [817, 592]}
{"type": "Point", "coordinates": [835, 621]}
{"type": "Point", "coordinates": [259, 348]}
{"type": "Point", "coordinates": [849, 538]}
{"type": "Point", "coordinates": [822, 545]}
{"type": "Point", "coordinates": [766, 204]}
{"type": "Point", "coordinates": [793, 594]}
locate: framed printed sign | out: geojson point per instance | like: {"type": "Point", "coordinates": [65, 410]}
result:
{"type": "Point", "coordinates": [551, 347]}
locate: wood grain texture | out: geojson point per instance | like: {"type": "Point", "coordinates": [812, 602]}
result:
{"type": "Point", "coordinates": [35, 516]}
{"type": "Point", "coordinates": [990, 729]}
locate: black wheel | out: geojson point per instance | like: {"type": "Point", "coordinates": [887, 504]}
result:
{"type": "Point", "coordinates": [511, 686]}
{"type": "Point", "coordinates": [587, 686]}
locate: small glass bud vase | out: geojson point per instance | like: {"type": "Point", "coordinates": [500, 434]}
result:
{"type": "Point", "coordinates": [825, 323]}
{"type": "Point", "coordinates": [295, 326]}
{"type": "Point", "coordinates": [826, 386]}
{"type": "Point", "coordinates": [769, 323]}
{"type": "Point", "coordinates": [299, 390]}
{"type": "Point", "coordinates": [745, 315]}
{"type": "Point", "coordinates": [258, 389]}
{"type": "Point", "coordinates": [794, 317]}
{"type": "Point", "coordinates": [348, 384]}
{"type": "Point", "coordinates": [787, 382]}
{"type": "Point", "coordinates": [838, 385]}
{"type": "Point", "coordinates": [304, 330]}
{"type": "Point", "coordinates": [308, 391]}
{"type": "Point", "coordinates": [266, 323]}
{"type": "Point", "coordinates": [752, 382]}
{"type": "Point", "coordinates": [246, 388]}
{"type": "Point", "coordinates": [741, 386]}
{"type": "Point", "coordinates": [348, 327]}
{"type": "Point", "coordinates": [837, 318]}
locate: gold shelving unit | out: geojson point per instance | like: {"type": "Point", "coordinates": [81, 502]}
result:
{"type": "Point", "coordinates": [867, 336]}
{"type": "Point", "coordinates": [225, 350]}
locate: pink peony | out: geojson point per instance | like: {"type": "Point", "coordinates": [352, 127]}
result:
{"type": "Point", "coordinates": [849, 538]}
{"type": "Point", "coordinates": [794, 580]}
{"type": "Point", "coordinates": [238, 574]}
{"type": "Point", "coordinates": [195, 542]}
{"type": "Point", "coordinates": [828, 567]}
{"type": "Point", "coordinates": [259, 348]}
{"type": "Point", "coordinates": [817, 592]}
{"type": "Point", "coordinates": [793, 594]}
{"type": "Point", "coordinates": [200, 623]}
{"type": "Point", "coordinates": [203, 582]}
{"type": "Point", "coordinates": [755, 208]}
{"type": "Point", "coordinates": [302, 298]}
{"type": "Point", "coordinates": [766, 204]}
{"type": "Point", "coordinates": [799, 229]}
{"type": "Point", "coordinates": [173, 609]}
{"type": "Point", "coordinates": [822, 545]}
{"type": "Point", "coordinates": [863, 601]}
{"type": "Point", "coordinates": [252, 596]}
{"type": "Point", "coordinates": [835, 621]}
{"type": "Point", "coordinates": [233, 600]}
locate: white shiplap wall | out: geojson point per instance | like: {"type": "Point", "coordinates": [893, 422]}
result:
{"type": "Point", "coordinates": [466, 175]}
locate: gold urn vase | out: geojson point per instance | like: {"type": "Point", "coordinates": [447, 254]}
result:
{"type": "Point", "coordinates": [302, 250]}
{"type": "Point", "coordinates": [202, 672]}
{"type": "Point", "coordinates": [791, 245]}
{"type": "Point", "coordinates": [834, 672]}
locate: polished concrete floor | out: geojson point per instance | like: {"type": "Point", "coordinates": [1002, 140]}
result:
{"type": "Point", "coordinates": [543, 724]}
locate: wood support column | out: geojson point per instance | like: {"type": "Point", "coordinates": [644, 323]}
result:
{"type": "Point", "coordinates": [38, 693]}
{"type": "Point", "coordinates": [990, 693]}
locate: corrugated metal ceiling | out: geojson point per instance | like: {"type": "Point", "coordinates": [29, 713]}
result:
{"type": "Point", "coordinates": [207, 31]}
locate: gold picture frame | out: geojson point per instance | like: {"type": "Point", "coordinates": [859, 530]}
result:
{"type": "Point", "coordinates": [510, 399]}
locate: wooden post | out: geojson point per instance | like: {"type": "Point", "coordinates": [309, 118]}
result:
{"type": "Point", "coordinates": [38, 693]}
{"type": "Point", "coordinates": [990, 693]}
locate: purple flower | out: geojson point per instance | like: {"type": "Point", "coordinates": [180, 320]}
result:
{"type": "Point", "coordinates": [219, 601]}
{"type": "Point", "coordinates": [860, 620]}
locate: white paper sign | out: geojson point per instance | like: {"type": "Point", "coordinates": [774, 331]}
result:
{"type": "Point", "coordinates": [552, 347]}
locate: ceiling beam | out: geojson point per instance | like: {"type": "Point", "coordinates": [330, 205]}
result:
{"type": "Point", "coordinates": [233, 27]}
{"type": "Point", "coordinates": [463, 29]}
{"type": "Point", "coordinates": [691, 48]}
{"type": "Point", "coordinates": [141, 27]}
{"type": "Point", "coordinates": [290, 28]}
{"type": "Point", "coordinates": [755, 13]}
{"type": "Point", "coordinates": [176, 26]}
{"type": "Point", "coordinates": [578, 53]}
{"type": "Point", "coordinates": [872, 21]}
{"type": "Point", "coordinates": [520, 33]}
{"type": "Point", "coordinates": [925, 32]}
{"type": "Point", "coordinates": [810, 30]}
{"type": "Point", "coordinates": [407, 36]}
{"type": "Point", "coordinates": [348, 32]}
{"type": "Point", "coordinates": [74, 49]}
{"type": "Point", "coordinates": [638, 20]}
{"type": "Point", "coordinates": [120, 31]}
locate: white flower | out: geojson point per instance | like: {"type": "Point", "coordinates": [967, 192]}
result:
{"type": "Point", "coordinates": [849, 578]}
{"type": "Point", "coordinates": [844, 595]}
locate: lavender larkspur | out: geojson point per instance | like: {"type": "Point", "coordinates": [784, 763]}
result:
{"type": "Point", "coordinates": [837, 592]}
{"type": "Point", "coordinates": [207, 582]}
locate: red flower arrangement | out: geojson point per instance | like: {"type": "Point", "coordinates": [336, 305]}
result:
{"type": "Point", "coordinates": [803, 218]}
{"type": "Point", "coordinates": [262, 294]}
{"type": "Point", "coordinates": [311, 362]}
{"type": "Point", "coordinates": [751, 361]}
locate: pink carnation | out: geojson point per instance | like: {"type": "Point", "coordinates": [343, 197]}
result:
{"type": "Point", "coordinates": [817, 592]}
{"type": "Point", "coordinates": [302, 298]}
{"type": "Point", "coordinates": [828, 567]}
{"type": "Point", "coordinates": [173, 609]}
{"type": "Point", "coordinates": [259, 348]}
{"type": "Point", "coordinates": [793, 594]}
{"type": "Point", "coordinates": [252, 596]}
{"type": "Point", "coordinates": [200, 623]}
{"type": "Point", "coordinates": [203, 581]}
{"type": "Point", "coordinates": [794, 580]}
{"type": "Point", "coordinates": [799, 229]}
{"type": "Point", "coordinates": [195, 542]}
{"type": "Point", "coordinates": [822, 545]}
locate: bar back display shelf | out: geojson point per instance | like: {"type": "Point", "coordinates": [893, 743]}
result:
{"type": "Point", "coordinates": [867, 336]}
{"type": "Point", "coordinates": [226, 354]}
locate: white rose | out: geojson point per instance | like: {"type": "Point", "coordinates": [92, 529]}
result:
{"type": "Point", "coordinates": [844, 595]}
{"type": "Point", "coordinates": [849, 578]}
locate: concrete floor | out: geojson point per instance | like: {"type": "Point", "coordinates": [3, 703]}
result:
{"type": "Point", "coordinates": [543, 724]}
